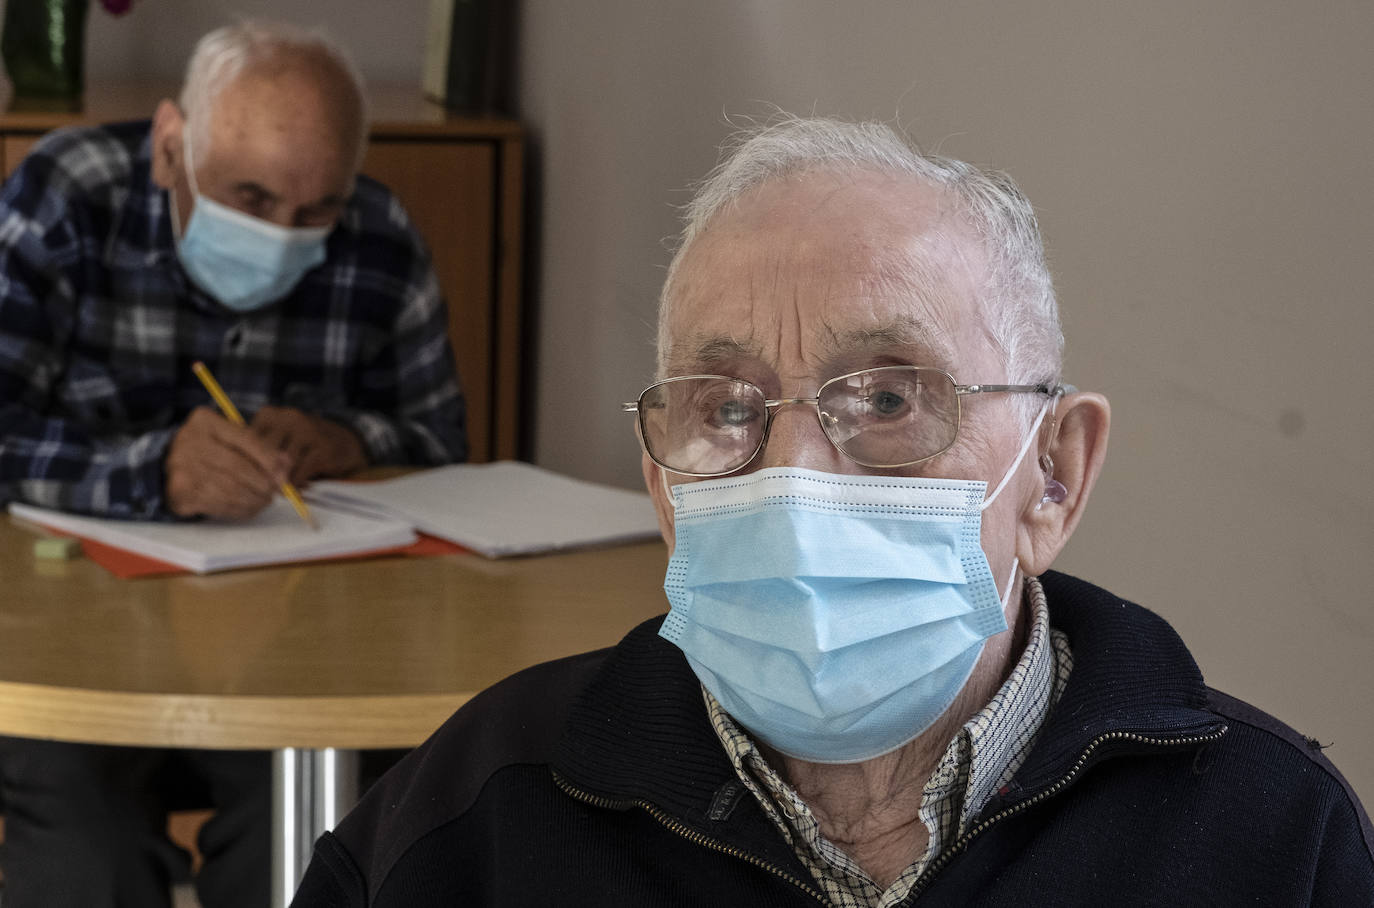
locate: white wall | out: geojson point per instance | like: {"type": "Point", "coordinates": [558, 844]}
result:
{"type": "Point", "coordinates": [1203, 180]}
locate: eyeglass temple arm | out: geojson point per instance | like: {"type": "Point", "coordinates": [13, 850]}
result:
{"type": "Point", "coordinates": [1057, 390]}
{"type": "Point", "coordinates": [632, 406]}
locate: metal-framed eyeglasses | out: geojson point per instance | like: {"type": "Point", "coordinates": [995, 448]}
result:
{"type": "Point", "coordinates": [889, 416]}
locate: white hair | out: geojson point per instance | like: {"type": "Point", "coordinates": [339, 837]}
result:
{"type": "Point", "coordinates": [1018, 299]}
{"type": "Point", "coordinates": [224, 54]}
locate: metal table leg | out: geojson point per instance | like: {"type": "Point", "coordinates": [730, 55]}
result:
{"type": "Point", "coordinates": [311, 791]}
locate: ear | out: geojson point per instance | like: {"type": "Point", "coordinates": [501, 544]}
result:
{"type": "Point", "coordinates": [1077, 444]}
{"type": "Point", "coordinates": [168, 151]}
{"type": "Point", "coordinates": [653, 481]}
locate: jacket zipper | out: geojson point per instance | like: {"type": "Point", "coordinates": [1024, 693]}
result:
{"type": "Point", "coordinates": [923, 881]}
{"type": "Point", "coordinates": [685, 832]}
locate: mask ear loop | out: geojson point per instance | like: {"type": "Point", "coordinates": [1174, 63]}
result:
{"type": "Point", "coordinates": [190, 179]}
{"type": "Point", "coordinates": [1047, 407]}
{"type": "Point", "coordinates": [190, 162]}
{"type": "Point", "coordinates": [663, 481]}
{"type": "Point", "coordinates": [1021, 454]}
{"type": "Point", "coordinates": [1011, 582]}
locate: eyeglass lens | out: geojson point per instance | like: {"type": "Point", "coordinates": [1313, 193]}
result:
{"type": "Point", "coordinates": [884, 417]}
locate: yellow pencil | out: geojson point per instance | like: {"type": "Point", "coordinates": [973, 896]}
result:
{"type": "Point", "coordinates": [231, 413]}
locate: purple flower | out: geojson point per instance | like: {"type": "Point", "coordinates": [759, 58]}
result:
{"type": "Point", "coordinates": [117, 7]}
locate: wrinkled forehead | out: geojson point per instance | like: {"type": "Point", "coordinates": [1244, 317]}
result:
{"type": "Point", "coordinates": [829, 268]}
{"type": "Point", "coordinates": [305, 100]}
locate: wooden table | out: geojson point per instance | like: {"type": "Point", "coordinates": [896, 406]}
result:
{"type": "Point", "coordinates": [310, 661]}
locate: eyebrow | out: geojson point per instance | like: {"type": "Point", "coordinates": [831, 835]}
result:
{"type": "Point", "coordinates": [255, 188]}
{"type": "Point", "coordinates": [901, 338]}
{"type": "Point", "coordinates": [706, 353]}
{"type": "Point", "coordinates": [905, 335]}
{"type": "Point", "coordinates": [332, 200]}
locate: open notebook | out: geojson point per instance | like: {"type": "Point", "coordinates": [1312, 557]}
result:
{"type": "Point", "coordinates": [503, 508]}
{"type": "Point", "coordinates": [506, 508]}
{"type": "Point", "coordinates": [276, 536]}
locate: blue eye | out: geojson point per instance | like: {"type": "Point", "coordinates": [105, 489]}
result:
{"type": "Point", "coordinates": [734, 412]}
{"type": "Point", "coordinates": [886, 403]}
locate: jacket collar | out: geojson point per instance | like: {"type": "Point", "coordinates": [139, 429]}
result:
{"type": "Point", "coordinates": [1133, 681]}
{"type": "Point", "coordinates": [640, 732]}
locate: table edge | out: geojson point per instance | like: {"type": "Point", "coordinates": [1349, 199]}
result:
{"type": "Point", "coordinates": [222, 721]}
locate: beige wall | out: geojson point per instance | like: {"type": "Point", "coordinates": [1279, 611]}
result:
{"type": "Point", "coordinates": [1204, 180]}
{"type": "Point", "coordinates": [155, 37]}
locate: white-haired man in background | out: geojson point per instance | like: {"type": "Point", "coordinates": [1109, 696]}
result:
{"type": "Point", "coordinates": [870, 689]}
{"type": "Point", "coordinates": [234, 229]}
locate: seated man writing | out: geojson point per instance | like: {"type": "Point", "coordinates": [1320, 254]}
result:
{"type": "Point", "coordinates": [234, 229]}
{"type": "Point", "coordinates": [870, 688]}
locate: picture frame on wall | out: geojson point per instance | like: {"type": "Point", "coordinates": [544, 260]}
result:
{"type": "Point", "coordinates": [467, 49]}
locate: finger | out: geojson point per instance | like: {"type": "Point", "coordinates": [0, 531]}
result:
{"type": "Point", "coordinates": [299, 448]}
{"type": "Point", "coordinates": [273, 431]}
{"type": "Point", "coordinates": [289, 430]}
{"type": "Point", "coordinates": [211, 469]}
{"type": "Point", "coordinates": [218, 474]}
{"type": "Point", "coordinates": [192, 459]}
{"type": "Point", "coordinates": [219, 487]}
{"type": "Point", "coordinates": [306, 466]}
{"type": "Point", "coordinates": [223, 498]}
{"type": "Point", "coordinates": [275, 425]}
{"type": "Point", "coordinates": [337, 452]}
{"type": "Point", "coordinates": [206, 435]}
{"type": "Point", "coordinates": [314, 463]}
{"type": "Point", "coordinates": [274, 463]}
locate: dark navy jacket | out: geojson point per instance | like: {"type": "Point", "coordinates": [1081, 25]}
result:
{"type": "Point", "coordinates": [597, 780]}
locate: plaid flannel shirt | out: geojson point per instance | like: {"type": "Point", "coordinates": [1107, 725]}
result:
{"type": "Point", "coordinates": [99, 327]}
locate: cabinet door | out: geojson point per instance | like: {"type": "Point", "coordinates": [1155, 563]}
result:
{"type": "Point", "coordinates": [13, 148]}
{"type": "Point", "coordinates": [448, 187]}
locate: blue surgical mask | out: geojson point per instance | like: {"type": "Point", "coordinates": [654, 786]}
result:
{"type": "Point", "coordinates": [835, 617]}
{"type": "Point", "coordinates": [242, 261]}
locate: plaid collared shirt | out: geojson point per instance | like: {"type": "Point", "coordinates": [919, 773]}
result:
{"type": "Point", "coordinates": [981, 758]}
{"type": "Point", "coordinates": [99, 327]}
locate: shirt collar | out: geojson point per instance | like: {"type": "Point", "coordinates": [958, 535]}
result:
{"type": "Point", "coordinates": [142, 229]}
{"type": "Point", "coordinates": [981, 757]}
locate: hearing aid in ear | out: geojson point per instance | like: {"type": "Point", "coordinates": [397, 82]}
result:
{"type": "Point", "coordinates": [1055, 492]}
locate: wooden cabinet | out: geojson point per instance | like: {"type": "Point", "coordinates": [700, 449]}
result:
{"type": "Point", "coordinates": [461, 179]}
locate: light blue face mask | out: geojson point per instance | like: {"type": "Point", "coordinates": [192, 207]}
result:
{"type": "Point", "coordinates": [242, 261]}
{"type": "Point", "coordinates": [835, 617]}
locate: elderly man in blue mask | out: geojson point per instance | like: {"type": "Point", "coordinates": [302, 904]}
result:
{"type": "Point", "coordinates": [870, 688]}
{"type": "Point", "coordinates": [234, 229]}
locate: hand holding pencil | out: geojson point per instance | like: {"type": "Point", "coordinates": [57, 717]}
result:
{"type": "Point", "coordinates": [221, 468]}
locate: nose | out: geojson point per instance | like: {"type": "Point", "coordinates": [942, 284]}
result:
{"type": "Point", "coordinates": [796, 439]}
